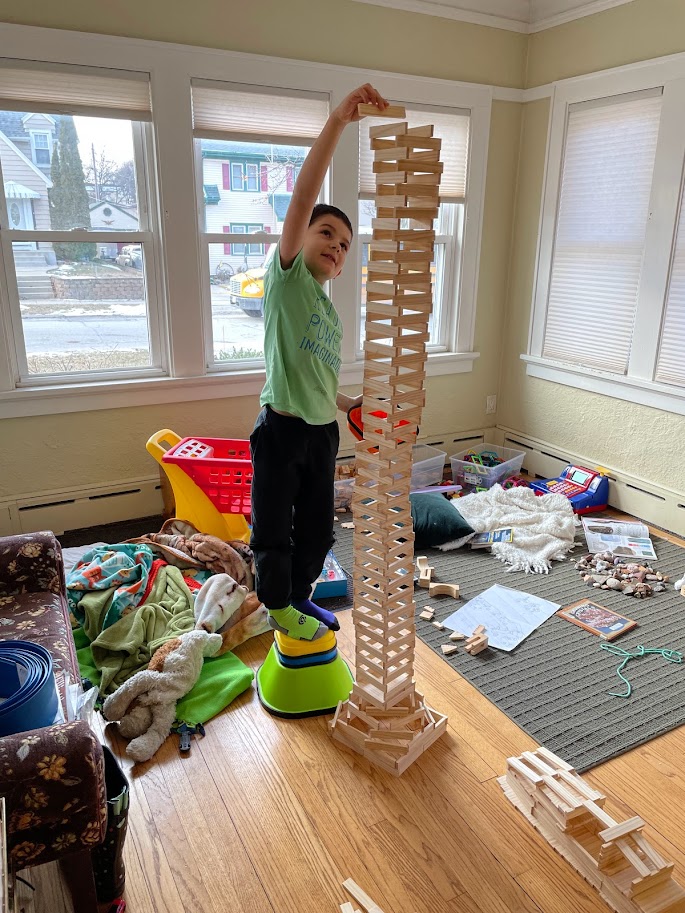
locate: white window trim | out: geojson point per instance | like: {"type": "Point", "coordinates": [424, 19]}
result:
{"type": "Point", "coordinates": [638, 385]}
{"type": "Point", "coordinates": [33, 134]}
{"type": "Point", "coordinates": [179, 272]}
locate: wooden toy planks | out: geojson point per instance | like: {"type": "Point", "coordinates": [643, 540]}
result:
{"type": "Point", "coordinates": [385, 718]}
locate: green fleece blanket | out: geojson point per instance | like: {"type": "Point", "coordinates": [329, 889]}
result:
{"type": "Point", "coordinates": [126, 647]}
{"type": "Point", "coordinates": [221, 680]}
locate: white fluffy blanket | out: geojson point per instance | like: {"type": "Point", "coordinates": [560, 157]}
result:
{"type": "Point", "coordinates": [543, 527]}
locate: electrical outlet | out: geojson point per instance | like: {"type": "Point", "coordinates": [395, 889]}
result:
{"type": "Point", "coordinates": [490, 405]}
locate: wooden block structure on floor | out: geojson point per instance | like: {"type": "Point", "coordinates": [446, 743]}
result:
{"type": "Point", "coordinates": [385, 717]}
{"type": "Point", "coordinates": [614, 858]}
{"type": "Point", "coordinates": [477, 642]}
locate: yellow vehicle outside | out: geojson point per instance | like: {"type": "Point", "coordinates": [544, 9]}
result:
{"type": "Point", "coordinates": [247, 288]}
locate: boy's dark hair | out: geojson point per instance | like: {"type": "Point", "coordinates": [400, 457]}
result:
{"type": "Point", "coordinates": [323, 209]}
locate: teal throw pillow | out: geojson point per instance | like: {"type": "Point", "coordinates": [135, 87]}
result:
{"type": "Point", "coordinates": [436, 521]}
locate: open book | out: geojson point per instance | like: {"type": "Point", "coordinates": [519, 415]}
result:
{"type": "Point", "coordinates": [624, 539]}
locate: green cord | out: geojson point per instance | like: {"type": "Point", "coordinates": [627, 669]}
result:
{"type": "Point", "coordinates": [671, 656]}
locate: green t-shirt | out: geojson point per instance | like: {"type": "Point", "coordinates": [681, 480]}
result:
{"type": "Point", "coordinates": [302, 336]}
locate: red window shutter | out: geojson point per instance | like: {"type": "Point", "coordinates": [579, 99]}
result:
{"type": "Point", "coordinates": [226, 175]}
{"type": "Point", "coordinates": [227, 229]}
{"type": "Point", "coordinates": [264, 173]}
{"type": "Point", "coordinates": [289, 178]}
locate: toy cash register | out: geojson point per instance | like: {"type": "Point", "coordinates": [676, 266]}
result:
{"type": "Point", "coordinates": [587, 490]}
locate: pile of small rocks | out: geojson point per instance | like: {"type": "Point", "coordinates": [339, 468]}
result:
{"type": "Point", "coordinates": [604, 572]}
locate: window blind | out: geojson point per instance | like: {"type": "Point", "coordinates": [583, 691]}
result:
{"type": "Point", "coordinates": [671, 361]}
{"type": "Point", "coordinates": [244, 113]}
{"type": "Point", "coordinates": [451, 127]}
{"type": "Point", "coordinates": [600, 232]}
{"type": "Point", "coordinates": [60, 89]}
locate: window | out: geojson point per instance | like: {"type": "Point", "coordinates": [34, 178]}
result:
{"type": "Point", "coordinates": [244, 177]}
{"type": "Point", "coordinates": [101, 309]}
{"type": "Point", "coordinates": [82, 297]}
{"type": "Point", "coordinates": [453, 128]}
{"type": "Point", "coordinates": [255, 143]}
{"type": "Point", "coordinates": [609, 310]}
{"type": "Point", "coordinates": [41, 146]}
{"type": "Point", "coordinates": [243, 250]}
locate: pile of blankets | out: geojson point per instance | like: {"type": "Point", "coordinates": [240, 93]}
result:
{"type": "Point", "coordinates": [132, 597]}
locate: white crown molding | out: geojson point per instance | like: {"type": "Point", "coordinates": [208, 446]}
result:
{"type": "Point", "coordinates": [428, 8]}
{"type": "Point", "coordinates": [587, 9]}
{"type": "Point", "coordinates": [528, 18]}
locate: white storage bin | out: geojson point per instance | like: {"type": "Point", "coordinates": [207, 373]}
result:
{"type": "Point", "coordinates": [428, 465]}
{"type": "Point", "coordinates": [473, 475]}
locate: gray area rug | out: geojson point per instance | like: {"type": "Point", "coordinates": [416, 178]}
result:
{"type": "Point", "coordinates": [556, 684]}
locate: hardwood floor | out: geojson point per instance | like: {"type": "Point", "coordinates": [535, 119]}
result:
{"type": "Point", "coordinates": [270, 816]}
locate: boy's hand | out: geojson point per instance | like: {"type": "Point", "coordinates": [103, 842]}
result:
{"type": "Point", "coordinates": [346, 112]}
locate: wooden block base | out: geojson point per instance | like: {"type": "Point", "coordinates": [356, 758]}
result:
{"type": "Point", "coordinates": [392, 737]}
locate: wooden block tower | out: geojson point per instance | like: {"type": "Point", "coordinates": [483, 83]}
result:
{"type": "Point", "coordinates": [385, 718]}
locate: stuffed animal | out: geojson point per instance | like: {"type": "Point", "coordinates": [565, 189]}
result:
{"type": "Point", "coordinates": [145, 705]}
{"type": "Point", "coordinates": [223, 606]}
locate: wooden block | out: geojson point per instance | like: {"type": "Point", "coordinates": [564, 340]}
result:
{"type": "Point", "coordinates": [397, 111]}
{"type": "Point", "coordinates": [457, 635]}
{"type": "Point", "coordinates": [433, 178]}
{"type": "Point", "coordinates": [361, 897]}
{"type": "Point", "coordinates": [347, 525]}
{"type": "Point", "coordinates": [431, 156]}
{"type": "Point", "coordinates": [346, 907]}
{"type": "Point", "coordinates": [420, 131]}
{"type": "Point", "coordinates": [388, 130]}
{"type": "Point", "coordinates": [476, 644]}
{"type": "Point", "coordinates": [413, 166]}
{"type": "Point", "coordinates": [415, 141]}
{"type": "Point", "coordinates": [428, 614]}
{"type": "Point", "coordinates": [439, 625]}
{"type": "Point", "coordinates": [449, 649]}
{"type": "Point", "coordinates": [621, 830]}
{"type": "Point", "coordinates": [480, 629]}
{"type": "Point", "coordinates": [444, 589]}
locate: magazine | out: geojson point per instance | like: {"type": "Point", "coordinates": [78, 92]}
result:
{"type": "Point", "coordinates": [624, 539]}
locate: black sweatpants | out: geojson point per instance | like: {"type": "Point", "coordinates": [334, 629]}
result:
{"type": "Point", "coordinates": [292, 504]}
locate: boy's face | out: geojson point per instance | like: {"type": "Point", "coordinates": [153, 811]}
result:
{"type": "Point", "coordinates": [326, 245]}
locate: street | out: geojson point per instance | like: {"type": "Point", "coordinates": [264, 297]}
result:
{"type": "Point", "coordinates": [59, 329]}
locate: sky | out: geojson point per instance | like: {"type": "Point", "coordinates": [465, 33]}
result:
{"type": "Point", "coordinates": [112, 136]}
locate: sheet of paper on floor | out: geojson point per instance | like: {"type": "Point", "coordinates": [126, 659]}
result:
{"type": "Point", "coordinates": [509, 615]}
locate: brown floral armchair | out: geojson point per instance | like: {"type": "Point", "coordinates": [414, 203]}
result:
{"type": "Point", "coordinates": [52, 778]}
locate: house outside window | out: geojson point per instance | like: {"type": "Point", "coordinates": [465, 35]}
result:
{"type": "Point", "coordinates": [73, 279]}
{"type": "Point", "coordinates": [612, 244]}
{"type": "Point", "coordinates": [253, 201]}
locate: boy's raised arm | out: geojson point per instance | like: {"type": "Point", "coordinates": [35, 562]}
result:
{"type": "Point", "coordinates": [310, 179]}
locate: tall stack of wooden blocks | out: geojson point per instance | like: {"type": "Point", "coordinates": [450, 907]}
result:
{"type": "Point", "coordinates": [385, 718]}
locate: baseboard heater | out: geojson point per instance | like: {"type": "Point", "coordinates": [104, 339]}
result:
{"type": "Point", "coordinates": [60, 511]}
{"type": "Point", "coordinates": [652, 503]}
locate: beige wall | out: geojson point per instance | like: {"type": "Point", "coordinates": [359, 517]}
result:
{"type": "Point", "coordinates": [330, 31]}
{"type": "Point", "coordinates": [625, 34]}
{"type": "Point", "coordinates": [627, 437]}
{"type": "Point", "coordinates": [82, 449]}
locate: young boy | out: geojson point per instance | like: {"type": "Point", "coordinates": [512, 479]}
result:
{"type": "Point", "coordinates": [295, 439]}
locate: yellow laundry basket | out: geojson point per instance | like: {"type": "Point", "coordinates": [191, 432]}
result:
{"type": "Point", "coordinates": [211, 479]}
